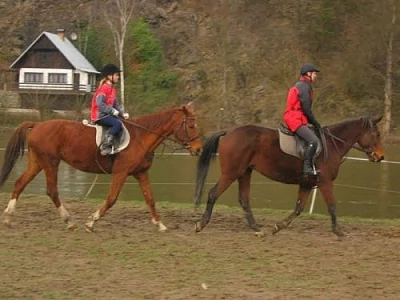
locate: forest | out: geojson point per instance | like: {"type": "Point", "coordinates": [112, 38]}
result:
{"type": "Point", "coordinates": [235, 59]}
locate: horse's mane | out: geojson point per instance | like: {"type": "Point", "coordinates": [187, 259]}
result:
{"type": "Point", "coordinates": [366, 122]}
{"type": "Point", "coordinates": [153, 121]}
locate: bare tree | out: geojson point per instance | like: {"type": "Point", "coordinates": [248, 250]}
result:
{"type": "Point", "coordinates": [388, 78]}
{"type": "Point", "coordinates": [81, 14]}
{"type": "Point", "coordinates": [117, 14]}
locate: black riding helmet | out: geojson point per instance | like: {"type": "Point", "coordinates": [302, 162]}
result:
{"type": "Point", "coordinates": [109, 69]}
{"type": "Point", "coordinates": [308, 68]}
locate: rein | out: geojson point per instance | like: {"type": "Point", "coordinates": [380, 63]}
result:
{"type": "Point", "coordinates": [334, 137]}
{"type": "Point", "coordinates": [184, 144]}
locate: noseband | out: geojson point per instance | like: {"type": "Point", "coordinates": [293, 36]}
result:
{"type": "Point", "coordinates": [187, 138]}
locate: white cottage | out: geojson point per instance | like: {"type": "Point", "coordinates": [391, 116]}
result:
{"type": "Point", "coordinates": [52, 64]}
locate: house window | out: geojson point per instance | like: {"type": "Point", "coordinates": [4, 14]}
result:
{"type": "Point", "coordinates": [33, 77]}
{"type": "Point", "coordinates": [57, 78]}
{"type": "Point", "coordinates": [92, 79]}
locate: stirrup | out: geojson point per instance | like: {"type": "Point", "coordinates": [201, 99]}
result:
{"type": "Point", "coordinates": [310, 180]}
{"type": "Point", "coordinates": [311, 172]}
{"type": "Point", "coordinates": [107, 151]}
{"type": "Point", "coordinates": [315, 170]}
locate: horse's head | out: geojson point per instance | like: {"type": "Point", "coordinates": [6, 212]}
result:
{"type": "Point", "coordinates": [186, 131]}
{"type": "Point", "coordinates": [370, 140]}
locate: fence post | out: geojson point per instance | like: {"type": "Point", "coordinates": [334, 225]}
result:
{"type": "Point", "coordinates": [314, 195]}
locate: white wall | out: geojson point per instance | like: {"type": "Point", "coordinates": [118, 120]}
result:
{"type": "Point", "coordinates": [83, 79]}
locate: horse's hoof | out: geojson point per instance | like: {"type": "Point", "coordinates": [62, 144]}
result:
{"type": "Point", "coordinates": [259, 233]}
{"type": "Point", "coordinates": [162, 227]}
{"type": "Point", "coordinates": [7, 223]}
{"type": "Point", "coordinates": [89, 228]}
{"type": "Point", "coordinates": [276, 229]}
{"type": "Point", "coordinates": [198, 227]}
{"type": "Point", "coordinates": [339, 233]}
{"type": "Point", "coordinates": [7, 220]}
{"type": "Point", "coordinates": [72, 226]}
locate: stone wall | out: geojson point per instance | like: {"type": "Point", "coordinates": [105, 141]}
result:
{"type": "Point", "coordinates": [9, 100]}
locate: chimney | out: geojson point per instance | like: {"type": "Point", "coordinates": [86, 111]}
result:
{"type": "Point", "coordinates": [61, 33]}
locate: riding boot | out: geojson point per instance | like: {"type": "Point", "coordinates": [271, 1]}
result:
{"type": "Point", "coordinates": [308, 168]}
{"type": "Point", "coordinates": [107, 147]}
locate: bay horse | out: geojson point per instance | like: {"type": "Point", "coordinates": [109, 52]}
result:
{"type": "Point", "coordinates": [250, 147]}
{"type": "Point", "coordinates": [51, 141]}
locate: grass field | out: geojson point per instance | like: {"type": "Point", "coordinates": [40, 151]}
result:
{"type": "Point", "coordinates": [127, 258]}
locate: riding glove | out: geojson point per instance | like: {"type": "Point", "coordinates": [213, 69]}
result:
{"type": "Point", "coordinates": [115, 112]}
{"type": "Point", "coordinates": [317, 125]}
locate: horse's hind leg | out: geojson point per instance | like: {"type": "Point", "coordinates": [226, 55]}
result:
{"type": "Point", "coordinates": [33, 169]}
{"type": "Point", "coordinates": [51, 171]}
{"type": "Point", "coordinates": [213, 195]}
{"type": "Point", "coordinates": [304, 191]}
{"type": "Point", "coordinates": [244, 191]}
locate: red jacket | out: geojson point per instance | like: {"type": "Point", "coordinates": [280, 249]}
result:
{"type": "Point", "coordinates": [104, 101]}
{"type": "Point", "coordinates": [301, 93]}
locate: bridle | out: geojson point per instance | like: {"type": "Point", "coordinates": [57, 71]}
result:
{"type": "Point", "coordinates": [353, 146]}
{"type": "Point", "coordinates": [187, 138]}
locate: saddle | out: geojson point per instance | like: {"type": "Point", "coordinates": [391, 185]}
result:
{"type": "Point", "coordinates": [292, 144]}
{"type": "Point", "coordinates": [120, 142]}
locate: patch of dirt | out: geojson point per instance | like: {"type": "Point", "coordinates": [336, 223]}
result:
{"type": "Point", "coordinates": [127, 258]}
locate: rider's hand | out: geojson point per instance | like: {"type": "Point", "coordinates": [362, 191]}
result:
{"type": "Point", "coordinates": [115, 112]}
{"type": "Point", "coordinates": [125, 116]}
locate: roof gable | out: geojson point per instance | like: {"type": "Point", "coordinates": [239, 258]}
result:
{"type": "Point", "coordinates": [67, 49]}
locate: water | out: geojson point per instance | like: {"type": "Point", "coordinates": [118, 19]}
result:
{"type": "Point", "coordinates": [362, 189]}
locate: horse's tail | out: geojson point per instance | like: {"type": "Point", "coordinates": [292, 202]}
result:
{"type": "Point", "coordinates": [210, 148]}
{"type": "Point", "coordinates": [15, 148]}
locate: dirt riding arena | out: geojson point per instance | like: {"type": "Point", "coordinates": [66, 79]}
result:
{"type": "Point", "coordinates": [126, 258]}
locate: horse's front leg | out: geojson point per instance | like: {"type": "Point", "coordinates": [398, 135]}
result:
{"type": "Point", "coordinates": [118, 181]}
{"type": "Point", "coordinates": [327, 192]}
{"type": "Point", "coordinates": [144, 183]}
{"type": "Point", "coordinates": [304, 192]}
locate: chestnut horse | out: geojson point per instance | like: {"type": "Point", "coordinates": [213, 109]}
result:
{"type": "Point", "coordinates": [51, 141]}
{"type": "Point", "coordinates": [249, 148]}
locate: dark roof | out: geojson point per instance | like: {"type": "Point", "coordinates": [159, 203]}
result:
{"type": "Point", "coordinates": [77, 60]}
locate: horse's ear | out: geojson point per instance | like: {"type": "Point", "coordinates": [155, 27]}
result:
{"type": "Point", "coordinates": [188, 108]}
{"type": "Point", "coordinates": [376, 119]}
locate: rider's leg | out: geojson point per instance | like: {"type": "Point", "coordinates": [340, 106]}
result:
{"type": "Point", "coordinates": [312, 142]}
{"type": "Point", "coordinates": [115, 128]}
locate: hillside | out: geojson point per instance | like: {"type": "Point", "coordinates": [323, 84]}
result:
{"type": "Point", "coordinates": [243, 55]}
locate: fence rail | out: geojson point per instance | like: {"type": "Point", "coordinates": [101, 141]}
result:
{"type": "Point", "coordinates": [314, 193]}
{"type": "Point", "coordinates": [47, 87]}
{"type": "Point", "coordinates": [56, 86]}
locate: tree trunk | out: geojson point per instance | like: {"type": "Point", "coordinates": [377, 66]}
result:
{"type": "Point", "coordinates": [388, 79]}
{"type": "Point", "coordinates": [118, 20]}
{"type": "Point", "coordinates": [225, 110]}
{"type": "Point", "coordinates": [122, 79]}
